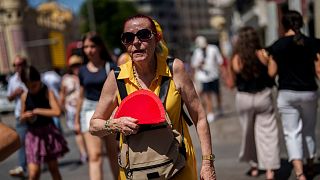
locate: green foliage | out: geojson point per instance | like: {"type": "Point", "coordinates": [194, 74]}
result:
{"type": "Point", "coordinates": [109, 17]}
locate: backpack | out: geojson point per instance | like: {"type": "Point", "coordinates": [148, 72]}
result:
{"type": "Point", "coordinates": [144, 157]}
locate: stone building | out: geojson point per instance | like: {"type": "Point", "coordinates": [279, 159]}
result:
{"type": "Point", "coordinates": [39, 34]}
{"type": "Point", "coordinates": [11, 32]}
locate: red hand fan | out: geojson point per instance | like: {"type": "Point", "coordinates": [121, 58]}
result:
{"type": "Point", "coordinates": [143, 105]}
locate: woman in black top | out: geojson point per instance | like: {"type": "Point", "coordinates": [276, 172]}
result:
{"type": "Point", "coordinates": [260, 144]}
{"type": "Point", "coordinates": [297, 64]}
{"type": "Point", "coordinates": [44, 142]}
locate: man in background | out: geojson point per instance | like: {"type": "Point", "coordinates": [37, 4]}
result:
{"type": "Point", "coordinates": [15, 89]}
{"type": "Point", "coordinates": [206, 61]}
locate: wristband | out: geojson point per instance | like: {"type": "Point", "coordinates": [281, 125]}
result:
{"type": "Point", "coordinates": [210, 157]}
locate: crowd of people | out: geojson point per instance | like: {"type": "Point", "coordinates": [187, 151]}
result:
{"type": "Point", "coordinates": [90, 93]}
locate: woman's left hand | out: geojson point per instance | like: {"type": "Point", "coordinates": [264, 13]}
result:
{"type": "Point", "coordinates": [207, 171]}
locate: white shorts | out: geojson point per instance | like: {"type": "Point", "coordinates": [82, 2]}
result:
{"type": "Point", "coordinates": [87, 110]}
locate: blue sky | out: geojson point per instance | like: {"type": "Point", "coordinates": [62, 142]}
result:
{"type": "Point", "coordinates": [74, 5]}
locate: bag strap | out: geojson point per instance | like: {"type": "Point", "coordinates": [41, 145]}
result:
{"type": "Point", "coordinates": [186, 116]}
{"type": "Point", "coordinates": [122, 89]}
{"type": "Point", "coordinates": [120, 83]}
{"type": "Point", "coordinates": [163, 94]}
{"type": "Point", "coordinates": [165, 82]}
{"type": "Point", "coordinates": [164, 91]}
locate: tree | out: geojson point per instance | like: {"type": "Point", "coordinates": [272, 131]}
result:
{"type": "Point", "coordinates": [109, 17]}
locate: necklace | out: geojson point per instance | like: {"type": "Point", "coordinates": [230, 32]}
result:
{"type": "Point", "coordinates": [136, 77]}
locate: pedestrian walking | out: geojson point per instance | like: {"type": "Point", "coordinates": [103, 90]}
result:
{"type": "Point", "coordinates": [145, 70]}
{"type": "Point", "coordinates": [92, 77]}
{"type": "Point", "coordinates": [254, 104]}
{"type": "Point", "coordinates": [295, 59]}
{"type": "Point", "coordinates": [69, 94]}
{"type": "Point", "coordinates": [15, 89]}
{"type": "Point", "coordinates": [44, 142]}
{"type": "Point", "coordinates": [206, 61]}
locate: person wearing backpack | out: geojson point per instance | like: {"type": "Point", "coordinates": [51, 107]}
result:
{"type": "Point", "coordinates": [146, 70]}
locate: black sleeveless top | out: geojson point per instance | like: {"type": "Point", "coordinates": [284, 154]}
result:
{"type": "Point", "coordinates": [39, 100]}
{"type": "Point", "coordinates": [255, 84]}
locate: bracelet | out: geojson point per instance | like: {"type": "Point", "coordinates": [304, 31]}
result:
{"type": "Point", "coordinates": [108, 128]}
{"type": "Point", "coordinates": [210, 157]}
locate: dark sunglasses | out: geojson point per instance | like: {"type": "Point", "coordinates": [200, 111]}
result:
{"type": "Point", "coordinates": [142, 35]}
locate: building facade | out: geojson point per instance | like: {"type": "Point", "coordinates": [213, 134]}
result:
{"type": "Point", "coordinates": [38, 34]}
{"type": "Point", "coordinates": [11, 32]}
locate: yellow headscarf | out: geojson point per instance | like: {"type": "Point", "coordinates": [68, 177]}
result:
{"type": "Point", "coordinates": [162, 50]}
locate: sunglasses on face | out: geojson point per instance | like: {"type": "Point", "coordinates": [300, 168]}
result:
{"type": "Point", "coordinates": [143, 35]}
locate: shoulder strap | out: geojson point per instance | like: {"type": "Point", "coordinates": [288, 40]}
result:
{"type": "Point", "coordinates": [121, 88]}
{"type": "Point", "coordinates": [109, 66]}
{"type": "Point", "coordinates": [164, 86]}
{"type": "Point", "coordinates": [170, 64]}
{"type": "Point", "coordinates": [120, 83]}
{"type": "Point", "coordinates": [185, 115]}
{"type": "Point", "coordinates": [164, 90]}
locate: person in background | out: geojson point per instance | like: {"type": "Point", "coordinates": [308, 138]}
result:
{"type": "Point", "coordinates": [145, 69]}
{"type": "Point", "coordinates": [92, 77]}
{"type": "Point", "coordinates": [69, 94]}
{"type": "Point", "coordinates": [254, 103]}
{"type": "Point", "coordinates": [206, 62]}
{"type": "Point", "coordinates": [52, 80]}
{"type": "Point", "coordinates": [296, 59]}
{"type": "Point", "coordinates": [15, 89]}
{"type": "Point", "coordinates": [44, 142]}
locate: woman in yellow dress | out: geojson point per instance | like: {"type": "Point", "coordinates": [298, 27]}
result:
{"type": "Point", "coordinates": [144, 70]}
